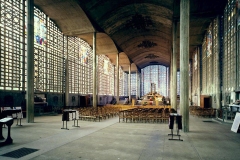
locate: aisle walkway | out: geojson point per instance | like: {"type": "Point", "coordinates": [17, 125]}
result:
{"type": "Point", "coordinates": [110, 140]}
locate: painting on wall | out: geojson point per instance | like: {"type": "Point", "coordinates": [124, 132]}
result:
{"type": "Point", "coordinates": [83, 54]}
{"type": "Point", "coordinates": [40, 31]}
{"type": "Point", "coordinates": [195, 61]}
{"type": "Point", "coordinates": [209, 43]}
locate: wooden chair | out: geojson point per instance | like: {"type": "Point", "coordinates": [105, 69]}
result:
{"type": "Point", "coordinates": [128, 116]}
{"type": "Point", "coordinates": [166, 114]}
{"type": "Point", "coordinates": [159, 115]}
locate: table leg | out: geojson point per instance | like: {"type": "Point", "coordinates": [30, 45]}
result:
{"type": "Point", "coordinates": [1, 136]}
{"type": "Point", "coordinates": [9, 139]}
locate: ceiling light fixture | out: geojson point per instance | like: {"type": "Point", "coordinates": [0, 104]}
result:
{"type": "Point", "coordinates": [151, 56]}
{"type": "Point", "coordinates": [147, 44]}
{"type": "Point", "coordinates": [139, 22]}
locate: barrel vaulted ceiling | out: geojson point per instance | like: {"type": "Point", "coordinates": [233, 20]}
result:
{"type": "Point", "coordinates": [140, 30]}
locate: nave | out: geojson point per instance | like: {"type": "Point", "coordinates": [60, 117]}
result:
{"type": "Point", "coordinates": [111, 140]}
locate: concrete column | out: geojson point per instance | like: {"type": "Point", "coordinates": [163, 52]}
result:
{"type": "Point", "coordinates": [170, 75]}
{"type": "Point", "coordinates": [198, 78]}
{"type": "Point", "coordinates": [174, 68]}
{"type": "Point", "coordinates": [218, 86]}
{"type": "Point", "coordinates": [139, 87]}
{"type": "Point", "coordinates": [184, 62]}
{"type": "Point", "coordinates": [136, 85]}
{"type": "Point", "coordinates": [66, 82]}
{"type": "Point", "coordinates": [94, 71]}
{"type": "Point", "coordinates": [169, 82]}
{"type": "Point", "coordinates": [30, 62]}
{"type": "Point", "coordinates": [117, 79]}
{"type": "Point", "coordinates": [114, 80]}
{"type": "Point", "coordinates": [190, 82]}
{"type": "Point", "coordinates": [129, 83]}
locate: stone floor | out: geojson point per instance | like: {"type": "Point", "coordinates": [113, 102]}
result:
{"type": "Point", "coordinates": [111, 140]}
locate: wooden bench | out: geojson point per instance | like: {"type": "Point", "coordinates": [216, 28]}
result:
{"type": "Point", "coordinates": [93, 118]}
{"type": "Point", "coordinates": [8, 122]}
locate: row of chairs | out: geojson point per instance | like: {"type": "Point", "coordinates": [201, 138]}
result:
{"type": "Point", "coordinates": [97, 113]}
{"type": "Point", "coordinates": [126, 107]}
{"type": "Point", "coordinates": [154, 115]}
{"type": "Point", "coordinates": [202, 112]}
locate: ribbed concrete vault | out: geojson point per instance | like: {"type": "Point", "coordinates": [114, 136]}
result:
{"type": "Point", "coordinates": [142, 29]}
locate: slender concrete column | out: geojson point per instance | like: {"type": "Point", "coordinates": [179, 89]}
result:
{"type": "Point", "coordinates": [139, 87]}
{"type": "Point", "coordinates": [218, 87]}
{"type": "Point", "coordinates": [117, 78]}
{"type": "Point", "coordinates": [114, 81]}
{"type": "Point", "coordinates": [94, 71]}
{"type": "Point", "coordinates": [136, 85]}
{"type": "Point", "coordinates": [184, 61]}
{"type": "Point", "coordinates": [174, 67]}
{"type": "Point", "coordinates": [129, 83]}
{"type": "Point", "coordinates": [66, 82]}
{"type": "Point", "coordinates": [30, 62]}
{"type": "Point", "coordinates": [198, 76]}
{"type": "Point", "coordinates": [171, 75]}
{"type": "Point", "coordinates": [169, 82]}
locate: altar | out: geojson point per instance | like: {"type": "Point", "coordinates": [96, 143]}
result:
{"type": "Point", "coordinates": [152, 99]}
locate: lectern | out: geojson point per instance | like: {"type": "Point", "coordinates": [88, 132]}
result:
{"type": "Point", "coordinates": [178, 119]}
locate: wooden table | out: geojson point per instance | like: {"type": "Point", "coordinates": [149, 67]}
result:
{"type": "Point", "coordinates": [10, 112]}
{"type": "Point", "coordinates": [65, 117]}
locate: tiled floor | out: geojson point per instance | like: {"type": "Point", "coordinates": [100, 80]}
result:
{"type": "Point", "coordinates": [111, 140]}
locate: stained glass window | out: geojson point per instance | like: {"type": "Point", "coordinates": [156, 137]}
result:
{"type": "Point", "coordinates": [178, 83]}
{"type": "Point", "coordinates": [125, 82]}
{"type": "Point", "coordinates": [133, 84]}
{"type": "Point", "coordinates": [73, 63]}
{"type": "Point", "coordinates": [209, 58]}
{"type": "Point", "coordinates": [195, 70]}
{"type": "Point", "coordinates": [229, 43]}
{"type": "Point", "coordinates": [238, 47]}
{"type": "Point", "coordinates": [53, 65]}
{"type": "Point", "coordinates": [12, 43]}
{"type": "Point", "coordinates": [40, 54]}
{"type": "Point", "coordinates": [216, 50]}
{"type": "Point", "coordinates": [105, 76]}
{"type": "Point", "coordinates": [50, 50]}
{"type": "Point", "coordinates": [204, 67]}
{"type": "Point", "coordinates": [80, 66]}
{"type": "Point", "coordinates": [155, 74]}
{"type": "Point", "coordinates": [121, 82]}
{"type": "Point", "coordinates": [85, 67]}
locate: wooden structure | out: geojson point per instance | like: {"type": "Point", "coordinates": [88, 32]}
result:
{"type": "Point", "coordinates": [205, 101]}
